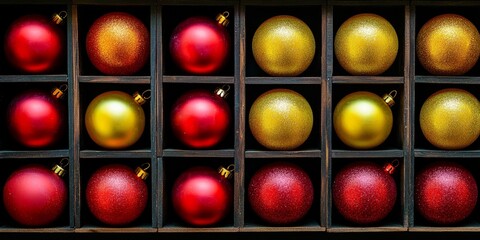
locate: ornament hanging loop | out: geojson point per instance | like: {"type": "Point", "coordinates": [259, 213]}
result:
{"type": "Point", "coordinates": [58, 18]}
{"type": "Point", "coordinates": [226, 172]}
{"type": "Point", "coordinates": [142, 171]}
{"type": "Point", "coordinates": [59, 168]}
{"type": "Point", "coordinates": [222, 91]}
{"type": "Point", "coordinates": [222, 18]}
{"type": "Point", "coordinates": [388, 98]}
{"type": "Point", "coordinates": [58, 92]}
{"type": "Point", "coordinates": [391, 166]}
{"type": "Point", "coordinates": [142, 98]}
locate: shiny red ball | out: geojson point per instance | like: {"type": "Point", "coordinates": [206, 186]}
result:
{"type": "Point", "coordinates": [280, 193]}
{"type": "Point", "coordinates": [35, 119]}
{"type": "Point", "coordinates": [200, 119]}
{"type": "Point", "coordinates": [201, 196]}
{"type": "Point", "coordinates": [116, 195]}
{"type": "Point", "coordinates": [33, 44]}
{"type": "Point", "coordinates": [364, 193]}
{"type": "Point", "coordinates": [118, 43]}
{"type": "Point", "coordinates": [445, 193]}
{"type": "Point", "coordinates": [35, 196]}
{"type": "Point", "coordinates": [199, 45]}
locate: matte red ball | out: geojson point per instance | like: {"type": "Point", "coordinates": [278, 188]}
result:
{"type": "Point", "coordinates": [445, 193]}
{"type": "Point", "coordinates": [200, 119]}
{"type": "Point", "coordinates": [36, 119]}
{"type": "Point", "coordinates": [199, 45]}
{"type": "Point", "coordinates": [280, 193]}
{"type": "Point", "coordinates": [116, 195]}
{"type": "Point", "coordinates": [35, 196]}
{"type": "Point", "coordinates": [33, 44]}
{"type": "Point", "coordinates": [363, 193]}
{"type": "Point", "coordinates": [201, 196]}
{"type": "Point", "coordinates": [118, 43]}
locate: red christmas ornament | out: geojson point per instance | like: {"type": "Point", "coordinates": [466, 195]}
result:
{"type": "Point", "coordinates": [35, 118]}
{"type": "Point", "coordinates": [34, 44]}
{"type": "Point", "coordinates": [280, 193]}
{"type": "Point", "coordinates": [118, 43]}
{"type": "Point", "coordinates": [200, 45]}
{"type": "Point", "coordinates": [445, 193]}
{"type": "Point", "coordinates": [117, 195]}
{"type": "Point", "coordinates": [364, 192]}
{"type": "Point", "coordinates": [200, 119]}
{"type": "Point", "coordinates": [35, 196]}
{"type": "Point", "coordinates": [202, 196]}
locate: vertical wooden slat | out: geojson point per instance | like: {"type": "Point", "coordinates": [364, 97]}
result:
{"type": "Point", "coordinates": [240, 74]}
{"type": "Point", "coordinates": [158, 90]}
{"type": "Point", "coordinates": [325, 143]}
{"type": "Point", "coordinates": [71, 134]}
{"type": "Point", "coordinates": [411, 113]}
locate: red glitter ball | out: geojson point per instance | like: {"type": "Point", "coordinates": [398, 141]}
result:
{"type": "Point", "coordinates": [364, 193]}
{"type": "Point", "coordinates": [445, 193]}
{"type": "Point", "coordinates": [280, 193]}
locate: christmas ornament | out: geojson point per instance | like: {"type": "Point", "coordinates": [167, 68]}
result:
{"type": "Point", "coordinates": [364, 192]}
{"type": "Point", "coordinates": [200, 45]}
{"type": "Point", "coordinates": [283, 46]}
{"type": "Point", "coordinates": [36, 196]}
{"type": "Point", "coordinates": [115, 119]}
{"type": "Point", "coordinates": [450, 119]}
{"type": "Point", "coordinates": [118, 44]}
{"type": "Point", "coordinates": [201, 196]}
{"type": "Point", "coordinates": [448, 44]}
{"type": "Point", "coordinates": [36, 118]}
{"type": "Point", "coordinates": [35, 44]}
{"type": "Point", "coordinates": [366, 44]}
{"type": "Point", "coordinates": [445, 193]}
{"type": "Point", "coordinates": [364, 120]}
{"type": "Point", "coordinates": [280, 193]}
{"type": "Point", "coordinates": [281, 119]}
{"type": "Point", "coordinates": [116, 195]}
{"type": "Point", "coordinates": [200, 119]}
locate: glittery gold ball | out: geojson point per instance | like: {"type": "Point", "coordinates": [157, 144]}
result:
{"type": "Point", "coordinates": [366, 44]}
{"type": "Point", "coordinates": [362, 120]}
{"type": "Point", "coordinates": [448, 44]}
{"type": "Point", "coordinates": [281, 119]}
{"type": "Point", "coordinates": [283, 46]}
{"type": "Point", "coordinates": [450, 119]}
{"type": "Point", "coordinates": [118, 44]}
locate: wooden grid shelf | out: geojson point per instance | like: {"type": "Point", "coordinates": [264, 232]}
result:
{"type": "Point", "coordinates": [322, 84]}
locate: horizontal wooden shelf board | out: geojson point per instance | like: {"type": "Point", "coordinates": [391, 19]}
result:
{"type": "Point", "coordinates": [61, 78]}
{"type": "Point", "coordinates": [314, 153]}
{"type": "Point", "coordinates": [91, 229]}
{"type": "Point", "coordinates": [389, 153]}
{"type": "Point", "coordinates": [447, 79]}
{"type": "Point", "coordinates": [144, 153]}
{"type": "Point", "coordinates": [283, 80]}
{"type": "Point", "coordinates": [6, 229]}
{"type": "Point", "coordinates": [203, 2]}
{"type": "Point", "coordinates": [181, 229]}
{"type": "Point", "coordinates": [61, 153]}
{"type": "Point", "coordinates": [367, 80]}
{"type": "Point", "coordinates": [368, 229]}
{"type": "Point", "coordinates": [445, 229]}
{"type": "Point", "coordinates": [368, 2]}
{"type": "Point", "coordinates": [115, 79]}
{"type": "Point", "coordinates": [220, 153]}
{"type": "Point", "coordinates": [36, 1]}
{"type": "Point", "coordinates": [283, 2]}
{"type": "Point", "coordinates": [447, 3]}
{"type": "Point", "coordinates": [115, 2]}
{"type": "Point", "coordinates": [446, 154]}
{"type": "Point", "coordinates": [257, 228]}
{"type": "Point", "coordinates": [199, 79]}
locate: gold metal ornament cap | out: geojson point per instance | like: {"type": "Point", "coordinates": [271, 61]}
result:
{"type": "Point", "coordinates": [58, 18]}
{"type": "Point", "coordinates": [391, 166]}
{"type": "Point", "coordinates": [226, 172]}
{"type": "Point", "coordinates": [59, 168]}
{"type": "Point", "coordinates": [141, 171]}
{"type": "Point", "coordinates": [389, 98]}
{"type": "Point", "coordinates": [222, 18]}
{"type": "Point", "coordinates": [141, 99]}
{"type": "Point", "coordinates": [58, 92]}
{"type": "Point", "coordinates": [222, 91]}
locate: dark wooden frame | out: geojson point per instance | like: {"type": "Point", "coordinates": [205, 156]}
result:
{"type": "Point", "coordinates": [322, 155]}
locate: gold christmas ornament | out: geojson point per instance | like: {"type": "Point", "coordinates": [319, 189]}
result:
{"type": "Point", "coordinates": [281, 119]}
{"type": "Point", "coordinates": [366, 44]}
{"type": "Point", "coordinates": [448, 44]}
{"type": "Point", "coordinates": [283, 46]}
{"type": "Point", "coordinates": [115, 119]}
{"type": "Point", "coordinates": [450, 119]}
{"type": "Point", "coordinates": [363, 120]}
